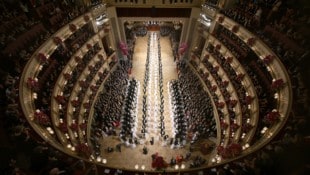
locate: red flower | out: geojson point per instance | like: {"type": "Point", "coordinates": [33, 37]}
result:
{"type": "Point", "coordinates": [220, 104]}
{"type": "Point", "coordinates": [248, 99]}
{"type": "Point", "coordinates": [246, 127]}
{"type": "Point", "coordinates": [60, 99]}
{"type": "Point", "coordinates": [75, 103]}
{"type": "Point", "coordinates": [63, 127]}
{"type": "Point", "coordinates": [268, 59]}
{"type": "Point", "coordinates": [89, 46]}
{"type": "Point", "coordinates": [235, 149]}
{"type": "Point", "coordinates": [235, 29]}
{"type": "Point", "coordinates": [277, 84]}
{"type": "Point", "coordinates": [221, 19]}
{"type": "Point", "coordinates": [57, 40]}
{"type": "Point", "coordinates": [41, 118]}
{"type": "Point", "coordinates": [33, 84]}
{"type": "Point", "coordinates": [224, 125]}
{"type": "Point", "coordinates": [272, 117]}
{"type": "Point", "coordinates": [42, 58]}
{"type": "Point", "coordinates": [83, 126]}
{"type": "Point", "coordinates": [74, 126]}
{"type": "Point", "coordinates": [229, 59]}
{"type": "Point", "coordinates": [72, 27]}
{"type": "Point", "coordinates": [251, 41]}
{"type": "Point", "coordinates": [67, 76]}
{"type": "Point", "coordinates": [86, 18]}
{"type": "Point", "coordinates": [234, 127]}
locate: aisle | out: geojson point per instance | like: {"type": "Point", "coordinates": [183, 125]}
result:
{"type": "Point", "coordinates": [169, 73]}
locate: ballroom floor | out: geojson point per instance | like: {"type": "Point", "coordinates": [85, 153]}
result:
{"type": "Point", "coordinates": [129, 157]}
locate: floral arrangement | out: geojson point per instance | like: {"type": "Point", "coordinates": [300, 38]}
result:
{"type": "Point", "coordinates": [33, 84]}
{"type": "Point", "coordinates": [268, 59]}
{"type": "Point", "coordinates": [123, 47]}
{"type": "Point", "coordinates": [277, 84]}
{"type": "Point", "coordinates": [251, 41]}
{"type": "Point", "coordinates": [72, 27]}
{"type": "Point", "coordinates": [83, 149]}
{"type": "Point", "coordinates": [221, 19]}
{"type": "Point", "coordinates": [246, 127]}
{"type": "Point", "coordinates": [86, 18]}
{"type": "Point", "coordinates": [232, 150]}
{"type": "Point", "coordinates": [158, 162]}
{"type": "Point", "coordinates": [89, 46]}
{"type": "Point", "coordinates": [224, 125]}
{"type": "Point", "coordinates": [42, 58]}
{"type": "Point", "coordinates": [74, 127]}
{"type": "Point", "coordinates": [41, 118]}
{"type": "Point", "coordinates": [272, 117]}
{"type": "Point", "coordinates": [63, 127]}
{"type": "Point", "coordinates": [75, 103]}
{"type": "Point", "coordinates": [57, 40]}
{"type": "Point", "coordinates": [220, 104]}
{"type": "Point", "coordinates": [235, 28]}
{"type": "Point", "coordinates": [248, 99]}
{"type": "Point", "coordinates": [60, 99]}
{"type": "Point", "coordinates": [229, 59]}
{"type": "Point", "coordinates": [240, 77]}
{"type": "Point", "coordinates": [183, 48]}
{"type": "Point", "coordinates": [83, 126]}
{"type": "Point", "coordinates": [234, 126]}
{"type": "Point", "coordinates": [67, 76]}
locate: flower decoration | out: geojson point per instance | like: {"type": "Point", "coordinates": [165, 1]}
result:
{"type": "Point", "coordinates": [83, 126]}
{"type": "Point", "coordinates": [77, 58]}
{"type": "Point", "coordinates": [74, 126]}
{"type": "Point", "coordinates": [67, 76]}
{"type": "Point", "coordinates": [229, 59]}
{"type": "Point", "coordinates": [83, 149]}
{"type": "Point", "coordinates": [232, 150]}
{"type": "Point", "coordinates": [248, 99]}
{"type": "Point", "coordinates": [57, 40]}
{"type": "Point", "coordinates": [251, 41]}
{"type": "Point", "coordinates": [235, 29]}
{"type": "Point", "coordinates": [224, 125]}
{"type": "Point", "coordinates": [277, 84]}
{"type": "Point", "coordinates": [86, 105]}
{"type": "Point", "coordinates": [123, 47]}
{"type": "Point", "coordinates": [158, 162]}
{"type": "Point", "coordinates": [220, 104]}
{"type": "Point", "coordinates": [183, 48]}
{"type": "Point", "coordinates": [221, 19]}
{"type": "Point", "coordinates": [272, 117]}
{"type": "Point", "coordinates": [33, 84]}
{"type": "Point", "coordinates": [41, 118]}
{"type": "Point", "coordinates": [268, 59]}
{"type": "Point", "coordinates": [42, 58]}
{"type": "Point", "coordinates": [234, 127]}
{"type": "Point", "coordinates": [72, 27]}
{"type": "Point", "coordinates": [240, 77]}
{"type": "Point", "coordinates": [86, 18]}
{"type": "Point", "coordinates": [63, 127]}
{"type": "Point", "coordinates": [89, 46]}
{"type": "Point", "coordinates": [75, 103]}
{"type": "Point", "coordinates": [246, 127]}
{"type": "Point", "coordinates": [60, 99]}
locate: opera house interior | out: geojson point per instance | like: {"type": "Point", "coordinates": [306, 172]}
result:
{"type": "Point", "coordinates": [154, 87]}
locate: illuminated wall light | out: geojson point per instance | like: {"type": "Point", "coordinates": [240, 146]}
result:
{"type": "Point", "coordinates": [72, 148]}
{"type": "Point", "coordinates": [73, 109]}
{"type": "Point", "coordinates": [182, 166]}
{"type": "Point", "coordinates": [276, 96]}
{"type": "Point", "coordinates": [65, 82]}
{"type": "Point", "coordinates": [36, 79]}
{"type": "Point", "coordinates": [104, 161]}
{"type": "Point", "coordinates": [176, 167]}
{"type": "Point", "coordinates": [136, 166]}
{"type": "Point", "coordinates": [98, 159]}
{"type": "Point", "coordinates": [75, 134]}
{"type": "Point", "coordinates": [61, 93]}
{"type": "Point", "coordinates": [248, 120]}
{"type": "Point", "coordinates": [61, 120]}
{"type": "Point", "coordinates": [40, 67]}
{"type": "Point", "coordinates": [59, 106]}
{"type": "Point", "coordinates": [37, 110]}
{"type": "Point", "coordinates": [249, 106]}
{"type": "Point", "coordinates": [76, 98]}
{"type": "Point", "coordinates": [67, 135]}
{"type": "Point", "coordinates": [35, 95]}
{"type": "Point", "coordinates": [213, 160]}
{"type": "Point", "coordinates": [69, 146]}
{"type": "Point", "coordinates": [83, 132]}
{"type": "Point", "coordinates": [143, 167]}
